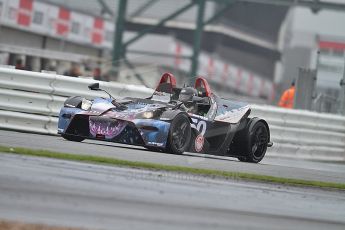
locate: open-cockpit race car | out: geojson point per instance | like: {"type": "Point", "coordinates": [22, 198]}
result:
{"type": "Point", "coordinates": [174, 120]}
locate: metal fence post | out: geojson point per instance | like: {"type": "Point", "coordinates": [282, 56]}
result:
{"type": "Point", "coordinates": [197, 37]}
{"type": "Point", "coordinates": [342, 93]}
{"type": "Point", "coordinates": [118, 49]}
{"type": "Point", "coordinates": [305, 88]}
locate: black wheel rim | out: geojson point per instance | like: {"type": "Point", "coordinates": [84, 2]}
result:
{"type": "Point", "coordinates": [180, 134]}
{"type": "Point", "coordinates": [259, 141]}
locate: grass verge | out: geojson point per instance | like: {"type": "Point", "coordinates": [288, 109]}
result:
{"type": "Point", "coordinates": [170, 168]}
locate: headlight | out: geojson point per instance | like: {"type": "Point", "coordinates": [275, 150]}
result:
{"type": "Point", "coordinates": [147, 115]}
{"type": "Point", "coordinates": [86, 104]}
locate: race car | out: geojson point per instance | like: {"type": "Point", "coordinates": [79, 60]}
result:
{"type": "Point", "coordinates": [174, 120]}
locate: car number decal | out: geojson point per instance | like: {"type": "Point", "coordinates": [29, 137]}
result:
{"type": "Point", "coordinates": [199, 125]}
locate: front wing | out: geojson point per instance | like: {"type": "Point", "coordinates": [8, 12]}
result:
{"type": "Point", "coordinates": [144, 132]}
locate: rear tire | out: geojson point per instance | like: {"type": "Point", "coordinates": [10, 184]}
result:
{"type": "Point", "coordinates": [72, 138]}
{"type": "Point", "coordinates": [256, 143]}
{"type": "Point", "coordinates": [179, 135]}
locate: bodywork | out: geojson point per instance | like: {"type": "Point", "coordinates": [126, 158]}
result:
{"type": "Point", "coordinates": [146, 121]}
{"type": "Point", "coordinates": [105, 122]}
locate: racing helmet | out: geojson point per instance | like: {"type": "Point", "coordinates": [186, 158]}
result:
{"type": "Point", "coordinates": [186, 94]}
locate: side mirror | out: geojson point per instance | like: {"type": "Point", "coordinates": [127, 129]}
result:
{"type": "Point", "coordinates": [94, 86]}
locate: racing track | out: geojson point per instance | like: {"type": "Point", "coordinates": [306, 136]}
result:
{"type": "Point", "coordinates": [76, 194]}
{"type": "Point", "coordinates": [269, 166]}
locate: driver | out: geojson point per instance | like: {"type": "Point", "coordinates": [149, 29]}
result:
{"type": "Point", "coordinates": [186, 97]}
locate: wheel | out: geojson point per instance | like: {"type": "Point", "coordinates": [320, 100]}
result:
{"type": "Point", "coordinates": [72, 138]}
{"type": "Point", "coordinates": [179, 135]}
{"type": "Point", "coordinates": [256, 143]}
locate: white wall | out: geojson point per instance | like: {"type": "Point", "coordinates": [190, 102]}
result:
{"type": "Point", "coordinates": [325, 22]}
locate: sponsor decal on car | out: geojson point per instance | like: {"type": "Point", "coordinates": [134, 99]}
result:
{"type": "Point", "coordinates": [165, 119]}
{"type": "Point", "coordinates": [155, 144]}
{"type": "Point", "coordinates": [199, 143]}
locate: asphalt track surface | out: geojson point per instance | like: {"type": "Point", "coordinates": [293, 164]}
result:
{"type": "Point", "coordinates": [327, 172]}
{"type": "Point", "coordinates": [67, 193]}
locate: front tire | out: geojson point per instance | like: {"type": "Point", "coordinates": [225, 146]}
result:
{"type": "Point", "coordinates": [179, 135]}
{"type": "Point", "coordinates": [72, 138]}
{"type": "Point", "coordinates": [256, 143]}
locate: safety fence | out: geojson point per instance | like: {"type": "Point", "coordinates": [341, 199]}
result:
{"type": "Point", "coordinates": [30, 101]}
{"type": "Point", "coordinates": [304, 134]}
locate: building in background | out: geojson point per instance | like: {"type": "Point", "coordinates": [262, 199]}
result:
{"type": "Point", "coordinates": [306, 34]}
{"type": "Point", "coordinates": [253, 50]}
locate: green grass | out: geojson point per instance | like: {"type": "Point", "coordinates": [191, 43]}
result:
{"type": "Point", "coordinates": [170, 168]}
